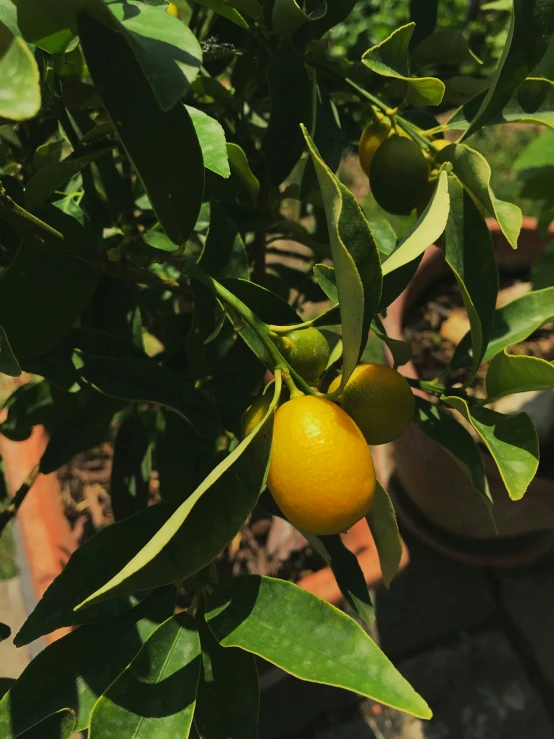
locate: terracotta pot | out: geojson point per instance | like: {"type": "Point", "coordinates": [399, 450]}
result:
{"type": "Point", "coordinates": [435, 499]}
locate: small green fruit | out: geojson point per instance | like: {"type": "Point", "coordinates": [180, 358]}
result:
{"type": "Point", "coordinates": [398, 175]}
{"type": "Point", "coordinates": [307, 352]}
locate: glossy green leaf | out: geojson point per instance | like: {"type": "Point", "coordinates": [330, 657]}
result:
{"type": "Point", "coordinates": [516, 373]}
{"type": "Point", "coordinates": [8, 363]}
{"type": "Point", "coordinates": [290, 628]}
{"type": "Point", "coordinates": [268, 306]}
{"type": "Point", "coordinates": [512, 323]}
{"type": "Point", "coordinates": [325, 276]}
{"type": "Point", "coordinates": [155, 696]}
{"type": "Point", "coordinates": [537, 154]}
{"type": "Point", "coordinates": [225, 9]}
{"type": "Point", "coordinates": [531, 28]}
{"type": "Point", "coordinates": [144, 379]}
{"type": "Point", "coordinates": [79, 666]}
{"type": "Point", "coordinates": [469, 253]}
{"type": "Point", "coordinates": [239, 166]}
{"type": "Point", "coordinates": [348, 574]}
{"type": "Point", "coordinates": [19, 78]}
{"type": "Point", "coordinates": [60, 725]}
{"type": "Point", "coordinates": [401, 350]}
{"type": "Point", "coordinates": [5, 684]}
{"type": "Point", "coordinates": [229, 684]}
{"type": "Point", "coordinates": [291, 95]}
{"type": "Point", "coordinates": [447, 45]}
{"type": "Point", "coordinates": [384, 529]}
{"type": "Point", "coordinates": [356, 261]}
{"type": "Point", "coordinates": [474, 172]}
{"type": "Point", "coordinates": [287, 17]}
{"type": "Point", "coordinates": [391, 58]}
{"type": "Point", "coordinates": [158, 240]}
{"type": "Point", "coordinates": [51, 177]}
{"type": "Point", "coordinates": [212, 141]}
{"type": "Point", "coordinates": [131, 468]}
{"type": "Point", "coordinates": [532, 102]}
{"type": "Point", "coordinates": [443, 428]}
{"type": "Point", "coordinates": [162, 145]}
{"type": "Point", "coordinates": [511, 440]}
{"type": "Point", "coordinates": [384, 236]}
{"type": "Point", "coordinates": [40, 298]}
{"type": "Point", "coordinates": [8, 16]}
{"type": "Point", "coordinates": [427, 229]}
{"type": "Point", "coordinates": [205, 523]}
{"type": "Point", "coordinates": [166, 49]}
{"type": "Point", "coordinates": [329, 140]}
{"type": "Point", "coordinates": [49, 153]}
{"type": "Point", "coordinates": [29, 405]}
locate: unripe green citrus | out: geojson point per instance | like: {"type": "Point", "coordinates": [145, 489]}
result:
{"type": "Point", "coordinates": [371, 139]}
{"type": "Point", "coordinates": [379, 400]}
{"type": "Point", "coordinates": [398, 175]}
{"type": "Point", "coordinates": [307, 352]}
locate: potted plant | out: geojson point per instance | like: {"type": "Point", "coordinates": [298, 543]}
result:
{"type": "Point", "coordinates": [149, 161]}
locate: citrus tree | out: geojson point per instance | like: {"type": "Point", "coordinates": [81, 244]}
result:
{"type": "Point", "coordinates": [149, 162]}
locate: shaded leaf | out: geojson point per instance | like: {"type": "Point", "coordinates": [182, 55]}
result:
{"type": "Point", "coordinates": [443, 428]}
{"type": "Point", "coordinates": [59, 725]}
{"type": "Point", "coordinates": [290, 628]}
{"type": "Point", "coordinates": [325, 276]}
{"type": "Point", "coordinates": [239, 166]}
{"type": "Point", "coordinates": [19, 78]}
{"type": "Point", "coordinates": [287, 17]}
{"type": "Point", "coordinates": [212, 141]}
{"type": "Point", "coordinates": [391, 58]}
{"type": "Point", "coordinates": [267, 306]}
{"type": "Point", "coordinates": [154, 697]}
{"type": "Point", "coordinates": [474, 172]}
{"type": "Point", "coordinates": [531, 28]}
{"type": "Point", "coordinates": [5, 632]}
{"type": "Point", "coordinates": [469, 253]}
{"type": "Point", "coordinates": [384, 529]}
{"type": "Point", "coordinates": [131, 468]}
{"type": "Point", "coordinates": [356, 261]}
{"type": "Point", "coordinates": [205, 523]}
{"type": "Point", "coordinates": [328, 139]}
{"type": "Point", "coordinates": [511, 440]}
{"type": "Point", "coordinates": [401, 350]}
{"type": "Point", "coordinates": [445, 46]}
{"type": "Point", "coordinates": [427, 229]}
{"type": "Point", "coordinates": [8, 363]}
{"type": "Point", "coordinates": [237, 700]}
{"type": "Point", "coordinates": [225, 9]}
{"type": "Point", "coordinates": [162, 145]}
{"type": "Point", "coordinates": [516, 373]}
{"type": "Point", "coordinates": [80, 666]}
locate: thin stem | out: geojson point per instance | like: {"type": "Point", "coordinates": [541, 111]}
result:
{"type": "Point", "coordinates": [11, 511]}
{"type": "Point", "coordinates": [13, 212]}
{"type": "Point", "coordinates": [428, 387]}
{"type": "Point", "coordinates": [291, 387]}
{"type": "Point", "coordinates": [293, 327]}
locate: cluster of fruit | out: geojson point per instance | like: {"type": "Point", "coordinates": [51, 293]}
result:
{"type": "Point", "coordinates": [401, 175]}
{"type": "Point", "coordinates": [321, 472]}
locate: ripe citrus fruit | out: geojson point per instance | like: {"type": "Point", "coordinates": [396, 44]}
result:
{"type": "Point", "coordinates": [398, 175]}
{"type": "Point", "coordinates": [379, 400]}
{"type": "Point", "coordinates": [172, 10]}
{"type": "Point", "coordinates": [254, 414]}
{"type": "Point", "coordinates": [320, 471]}
{"type": "Point", "coordinates": [306, 350]}
{"type": "Point", "coordinates": [439, 144]}
{"type": "Point", "coordinates": [372, 137]}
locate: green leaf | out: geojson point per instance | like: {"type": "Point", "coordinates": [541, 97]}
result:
{"type": "Point", "coordinates": [391, 58]}
{"type": "Point", "coordinates": [469, 253]}
{"type": "Point", "coordinates": [328, 139]}
{"type": "Point", "coordinates": [5, 632]}
{"type": "Point", "coordinates": [512, 323]}
{"type": "Point", "coordinates": [516, 373]}
{"type": "Point", "coordinates": [291, 94]}
{"type": "Point", "coordinates": [224, 254]}
{"type": "Point", "coordinates": [511, 440]}
{"type": "Point", "coordinates": [59, 725]}
{"type": "Point", "coordinates": [356, 261]}
{"type": "Point", "coordinates": [80, 666]}
{"type": "Point", "coordinates": [337, 11]}
{"type": "Point", "coordinates": [143, 379]}
{"type": "Point", "coordinates": [122, 540]}
{"type": "Point", "coordinates": [384, 529]}
{"type": "Point", "coordinates": [267, 306]}
{"type": "Point", "coordinates": [166, 49]}
{"type": "Point", "coordinates": [131, 468]}
{"type": "Point", "coordinates": [8, 16]}
{"type": "Point", "coordinates": [348, 574]}
{"type": "Point", "coordinates": [240, 167]}
{"type": "Point", "coordinates": [539, 153]}
{"type": "Point", "coordinates": [19, 78]}
{"type": "Point", "coordinates": [443, 428]}
{"type": "Point", "coordinates": [225, 9]}
{"type": "Point", "coordinates": [155, 696]}
{"type": "Point", "coordinates": [229, 681]}
{"type": "Point", "coordinates": [474, 172]}
{"type": "Point", "coordinates": [290, 628]}
{"type": "Point", "coordinates": [205, 523]}
{"type": "Point", "coordinates": [429, 226]}
{"type": "Point", "coordinates": [8, 363]}
{"type": "Point", "coordinates": [40, 298]}
{"type": "Point", "coordinates": [542, 270]}
{"type": "Point", "coordinates": [287, 17]}
{"type": "Point", "coordinates": [424, 14]}
{"type": "Point", "coordinates": [158, 240]}
{"type": "Point", "coordinates": [162, 145]}
{"type": "Point", "coordinates": [533, 102]}
{"type": "Point", "coordinates": [531, 28]}
{"type": "Point", "coordinates": [401, 350]}
{"type": "Point", "coordinates": [394, 283]}
{"type": "Point", "coordinates": [325, 276]}
{"type": "Point", "coordinates": [51, 177]}
{"type": "Point", "coordinates": [445, 46]}
{"type": "Point", "coordinates": [212, 141]}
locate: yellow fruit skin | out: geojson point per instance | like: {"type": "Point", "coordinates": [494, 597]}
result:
{"type": "Point", "coordinates": [379, 400]}
{"type": "Point", "coordinates": [307, 351]}
{"type": "Point", "coordinates": [321, 472]}
{"type": "Point", "coordinates": [439, 144]}
{"type": "Point", "coordinates": [255, 413]}
{"type": "Point", "coordinates": [172, 10]}
{"type": "Point", "coordinates": [371, 139]}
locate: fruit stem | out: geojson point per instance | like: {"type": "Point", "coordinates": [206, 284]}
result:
{"type": "Point", "coordinates": [293, 327]}
{"type": "Point", "coordinates": [291, 387]}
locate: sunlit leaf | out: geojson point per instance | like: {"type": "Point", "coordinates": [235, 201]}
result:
{"type": "Point", "coordinates": [384, 529]}
{"type": "Point", "coordinates": [516, 373]}
{"type": "Point", "coordinates": [19, 78]}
